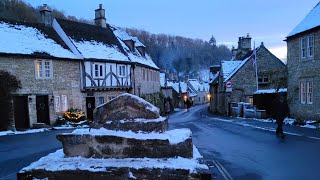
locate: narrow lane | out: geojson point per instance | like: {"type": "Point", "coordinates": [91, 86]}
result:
{"type": "Point", "coordinates": [248, 149]}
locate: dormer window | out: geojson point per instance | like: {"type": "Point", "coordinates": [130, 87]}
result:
{"type": "Point", "coordinates": [129, 44]}
{"type": "Point", "coordinates": [142, 50]}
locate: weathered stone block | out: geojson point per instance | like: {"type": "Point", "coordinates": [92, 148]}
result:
{"type": "Point", "coordinates": [111, 146]}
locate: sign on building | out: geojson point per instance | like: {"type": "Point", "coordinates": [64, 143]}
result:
{"type": "Point", "coordinates": [228, 86]}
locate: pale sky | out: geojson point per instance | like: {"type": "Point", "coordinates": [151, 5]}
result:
{"type": "Point", "coordinates": [266, 21]}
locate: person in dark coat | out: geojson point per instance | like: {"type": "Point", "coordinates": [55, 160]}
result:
{"type": "Point", "coordinates": [280, 111]}
{"type": "Point", "coordinates": [188, 104]}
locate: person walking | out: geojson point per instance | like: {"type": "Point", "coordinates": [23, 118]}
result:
{"type": "Point", "coordinates": [167, 107]}
{"type": "Point", "coordinates": [280, 111]}
{"type": "Point", "coordinates": [188, 104]}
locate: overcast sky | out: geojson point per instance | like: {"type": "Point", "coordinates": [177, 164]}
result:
{"type": "Point", "coordinates": [266, 21]}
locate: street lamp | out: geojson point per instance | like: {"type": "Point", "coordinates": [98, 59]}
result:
{"type": "Point", "coordinates": [209, 97]}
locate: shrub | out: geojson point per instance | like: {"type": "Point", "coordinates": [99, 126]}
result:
{"type": "Point", "coordinates": [74, 115]}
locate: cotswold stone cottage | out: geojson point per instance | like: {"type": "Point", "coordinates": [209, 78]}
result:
{"type": "Point", "coordinates": [64, 64]}
{"type": "Point", "coordinates": [303, 44]}
{"type": "Point", "coordinates": [235, 80]}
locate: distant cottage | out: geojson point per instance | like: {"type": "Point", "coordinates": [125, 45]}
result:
{"type": "Point", "coordinates": [235, 80]}
{"type": "Point", "coordinates": [303, 67]}
{"type": "Point", "coordinates": [64, 64]}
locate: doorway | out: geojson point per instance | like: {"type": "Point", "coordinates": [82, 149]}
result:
{"type": "Point", "coordinates": [90, 105]}
{"type": "Point", "coordinates": [42, 109]}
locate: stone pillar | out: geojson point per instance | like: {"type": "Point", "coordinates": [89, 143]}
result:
{"type": "Point", "coordinates": [11, 124]}
{"type": "Point", "coordinates": [32, 110]}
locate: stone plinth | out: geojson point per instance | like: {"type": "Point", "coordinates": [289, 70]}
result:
{"type": "Point", "coordinates": [57, 166]}
{"type": "Point", "coordinates": [114, 144]}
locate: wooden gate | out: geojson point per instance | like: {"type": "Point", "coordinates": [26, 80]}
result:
{"type": "Point", "coordinates": [21, 114]}
{"type": "Point", "coordinates": [42, 109]}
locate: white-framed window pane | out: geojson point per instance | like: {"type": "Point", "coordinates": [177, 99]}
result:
{"type": "Point", "coordinates": [310, 46]}
{"type": "Point", "coordinates": [122, 70]}
{"type": "Point", "coordinates": [39, 69]}
{"type": "Point", "coordinates": [303, 47]}
{"type": "Point", "coordinates": [309, 92]}
{"type": "Point", "coordinates": [47, 69]}
{"type": "Point", "coordinates": [303, 92]}
{"type": "Point", "coordinates": [96, 70]}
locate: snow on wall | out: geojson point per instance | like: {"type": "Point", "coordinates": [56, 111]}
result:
{"type": "Point", "coordinates": [266, 91]}
{"type": "Point", "coordinates": [174, 136]}
{"type": "Point", "coordinates": [21, 39]}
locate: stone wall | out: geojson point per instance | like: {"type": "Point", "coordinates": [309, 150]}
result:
{"type": "Point", "coordinates": [144, 84]}
{"type": "Point", "coordinates": [299, 70]}
{"type": "Point", "coordinates": [65, 81]}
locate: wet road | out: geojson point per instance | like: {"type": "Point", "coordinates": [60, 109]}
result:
{"type": "Point", "coordinates": [247, 149]}
{"type": "Point", "coordinates": [18, 151]}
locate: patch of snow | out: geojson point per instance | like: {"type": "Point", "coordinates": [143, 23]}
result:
{"type": "Point", "coordinates": [21, 39]}
{"type": "Point", "coordinates": [289, 121]}
{"type": "Point", "coordinates": [162, 79]}
{"type": "Point", "coordinates": [4, 133]}
{"type": "Point", "coordinates": [98, 50]}
{"type": "Point", "coordinates": [130, 175]}
{"type": "Point", "coordinates": [63, 127]}
{"type": "Point", "coordinates": [160, 119]}
{"type": "Point", "coordinates": [309, 126]}
{"type": "Point", "coordinates": [174, 136]}
{"type": "Point", "coordinates": [57, 162]}
{"type": "Point", "coordinates": [267, 91]}
{"type": "Point", "coordinates": [228, 67]}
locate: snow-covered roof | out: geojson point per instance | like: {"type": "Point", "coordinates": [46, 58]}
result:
{"type": "Point", "coordinates": [134, 55]}
{"type": "Point", "coordinates": [196, 84]}
{"type": "Point", "coordinates": [175, 86]}
{"type": "Point", "coordinates": [229, 66]}
{"type": "Point", "coordinates": [94, 42]}
{"type": "Point", "coordinates": [309, 22]}
{"type": "Point", "coordinates": [28, 40]}
{"type": "Point", "coordinates": [137, 42]}
{"type": "Point", "coordinates": [214, 77]}
{"type": "Point", "coordinates": [267, 91]}
{"type": "Point", "coordinates": [98, 50]}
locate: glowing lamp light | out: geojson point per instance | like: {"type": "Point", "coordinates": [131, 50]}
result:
{"type": "Point", "coordinates": [185, 97]}
{"type": "Point", "coordinates": [209, 96]}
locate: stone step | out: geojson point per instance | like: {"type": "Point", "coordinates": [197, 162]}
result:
{"type": "Point", "coordinates": [56, 166]}
{"type": "Point", "coordinates": [103, 143]}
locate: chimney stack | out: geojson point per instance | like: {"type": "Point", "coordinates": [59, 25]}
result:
{"type": "Point", "coordinates": [100, 19]}
{"type": "Point", "coordinates": [46, 16]}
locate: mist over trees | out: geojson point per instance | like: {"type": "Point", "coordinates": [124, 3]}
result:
{"type": "Point", "coordinates": [175, 53]}
{"type": "Point", "coordinates": [181, 54]}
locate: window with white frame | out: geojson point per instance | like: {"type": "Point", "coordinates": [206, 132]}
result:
{"type": "Point", "coordinates": [98, 70]}
{"type": "Point", "coordinates": [303, 95]}
{"type": "Point", "coordinates": [309, 92]}
{"type": "Point", "coordinates": [43, 69]}
{"type": "Point", "coordinates": [307, 46]}
{"type": "Point", "coordinates": [122, 70]}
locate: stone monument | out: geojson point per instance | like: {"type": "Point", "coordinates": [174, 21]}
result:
{"type": "Point", "coordinates": [127, 140]}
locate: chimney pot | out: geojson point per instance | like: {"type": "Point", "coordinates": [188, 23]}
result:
{"type": "Point", "coordinates": [100, 6]}
{"type": "Point", "coordinates": [46, 16]}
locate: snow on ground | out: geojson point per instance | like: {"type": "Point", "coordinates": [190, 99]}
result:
{"type": "Point", "coordinates": [4, 133]}
{"type": "Point", "coordinates": [174, 136]}
{"type": "Point", "coordinates": [57, 162]}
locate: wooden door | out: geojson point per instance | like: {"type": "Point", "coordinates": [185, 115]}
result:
{"type": "Point", "coordinates": [42, 109]}
{"type": "Point", "coordinates": [21, 113]}
{"type": "Point", "coordinates": [90, 104]}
